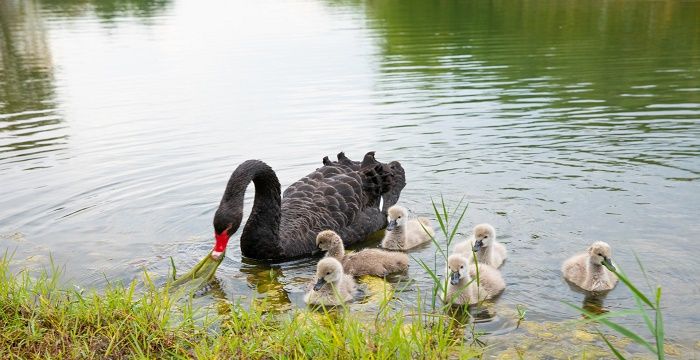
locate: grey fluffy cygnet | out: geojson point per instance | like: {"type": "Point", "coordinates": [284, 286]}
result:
{"type": "Point", "coordinates": [483, 243]}
{"type": "Point", "coordinates": [462, 290]}
{"type": "Point", "coordinates": [331, 285]}
{"type": "Point", "coordinates": [364, 262]}
{"type": "Point", "coordinates": [587, 270]}
{"type": "Point", "coordinates": [404, 234]}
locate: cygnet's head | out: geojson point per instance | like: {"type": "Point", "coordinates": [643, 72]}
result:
{"type": "Point", "coordinates": [328, 270]}
{"type": "Point", "coordinates": [484, 235]}
{"type": "Point", "coordinates": [458, 268]}
{"type": "Point", "coordinates": [327, 239]}
{"type": "Point", "coordinates": [397, 217]}
{"type": "Point", "coordinates": [601, 254]}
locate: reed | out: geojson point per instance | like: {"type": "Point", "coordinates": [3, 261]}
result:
{"type": "Point", "coordinates": [448, 228]}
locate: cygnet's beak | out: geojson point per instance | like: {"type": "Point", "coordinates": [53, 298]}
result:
{"type": "Point", "coordinates": [319, 284]}
{"type": "Point", "coordinates": [392, 225]}
{"type": "Point", "coordinates": [607, 262]}
{"type": "Point", "coordinates": [454, 278]}
{"type": "Point", "coordinates": [478, 245]}
{"type": "Point", "coordinates": [316, 251]}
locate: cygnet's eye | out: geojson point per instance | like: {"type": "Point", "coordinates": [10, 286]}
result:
{"type": "Point", "coordinates": [328, 273]}
{"type": "Point", "coordinates": [399, 217]}
{"type": "Point", "coordinates": [461, 267]}
{"type": "Point", "coordinates": [599, 254]}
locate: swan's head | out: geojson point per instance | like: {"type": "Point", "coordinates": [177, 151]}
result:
{"type": "Point", "coordinates": [327, 239]}
{"type": "Point", "coordinates": [328, 270]}
{"type": "Point", "coordinates": [226, 222]}
{"type": "Point", "coordinates": [601, 254]}
{"type": "Point", "coordinates": [397, 216]}
{"type": "Point", "coordinates": [484, 235]}
{"type": "Point", "coordinates": [457, 268]}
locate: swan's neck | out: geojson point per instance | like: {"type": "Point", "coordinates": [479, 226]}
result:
{"type": "Point", "coordinates": [596, 273]}
{"type": "Point", "coordinates": [466, 289]}
{"type": "Point", "coordinates": [260, 237]}
{"type": "Point", "coordinates": [337, 251]}
{"type": "Point", "coordinates": [484, 252]}
{"type": "Point", "coordinates": [398, 237]}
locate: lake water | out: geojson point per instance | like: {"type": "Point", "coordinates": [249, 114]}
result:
{"type": "Point", "coordinates": [560, 122]}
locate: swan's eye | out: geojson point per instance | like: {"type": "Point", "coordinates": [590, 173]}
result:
{"type": "Point", "coordinates": [461, 267]}
{"type": "Point", "coordinates": [599, 254]}
{"type": "Point", "coordinates": [399, 217]}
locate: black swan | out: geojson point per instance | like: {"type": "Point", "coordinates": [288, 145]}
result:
{"type": "Point", "coordinates": [343, 196]}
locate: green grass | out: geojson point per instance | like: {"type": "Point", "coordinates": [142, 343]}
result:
{"type": "Point", "coordinates": [40, 318]}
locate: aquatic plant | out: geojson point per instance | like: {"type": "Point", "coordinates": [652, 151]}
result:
{"type": "Point", "coordinates": [195, 279]}
{"type": "Point", "coordinates": [645, 306]}
{"type": "Point", "coordinates": [448, 228]}
{"type": "Point", "coordinates": [522, 311]}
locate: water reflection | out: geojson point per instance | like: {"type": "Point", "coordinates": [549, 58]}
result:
{"type": "Point", "coordinates": [466, 314]}
{"type": "Point", "coordinates": [30, 126]}
{"type": "Point", "coordinates": [25, 60]}
{"type": "Point", "coordinates": [107, 10]}
{"type": "Point", "coordinates": [265, 281]}
{"type": "Point", "coordinates": [593, 302]}
{"type": "Point", "coordinates": [545, 69]}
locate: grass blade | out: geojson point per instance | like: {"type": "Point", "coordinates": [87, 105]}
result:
{"type": "Point", "coordinates": [645, 316]}
{"type": "Point", "coordinates": [616, 327]}
{"type": "Point", "coordinates": [641, 267]}
{"type": "Point", "coordinates": [631, 286]}
{"type": "Point", "coordinates": [427, 269]}
{"type": "Point", "coordinates": [439, 218]}
{"type": "Point", "coordinates": [458, 205]}
{"type": "Point", "coordinates": [610, 314]}
{"type": "Point", "coordinates": [628, 333]}
{"type": "Point", "coordinates": [444, 209]}
{"type": "Point", "coordinates": [659, 334]}
{"type": "Point", "coordinates": [454, 229]}
{"type": "Point", "coordinates": [436, 243]}
{"type": "Point", "coordinates": [172, 263]}
{"type": "Point", "coordinates": [612, 348]}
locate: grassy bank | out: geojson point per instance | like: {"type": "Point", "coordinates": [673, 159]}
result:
{"type": "Point", "coordinates": [40, 318]}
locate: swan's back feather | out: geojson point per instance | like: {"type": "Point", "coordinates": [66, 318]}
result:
{"type": "Point", "coordinates": [375, 262]}
{"type": "Point", "coordinates": [329, 198]}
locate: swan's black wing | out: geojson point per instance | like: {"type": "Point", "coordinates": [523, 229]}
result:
{"type": "Point", "coordinates": [329, 198]}
{"type": "Point", "coordinates": [342, 196]}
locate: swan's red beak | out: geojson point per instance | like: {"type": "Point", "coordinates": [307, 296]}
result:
{"type": "Point", "coordinates": [221, 241]}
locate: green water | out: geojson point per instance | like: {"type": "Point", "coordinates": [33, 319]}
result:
{"type": "Point", "coordinates": [561, 122]}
